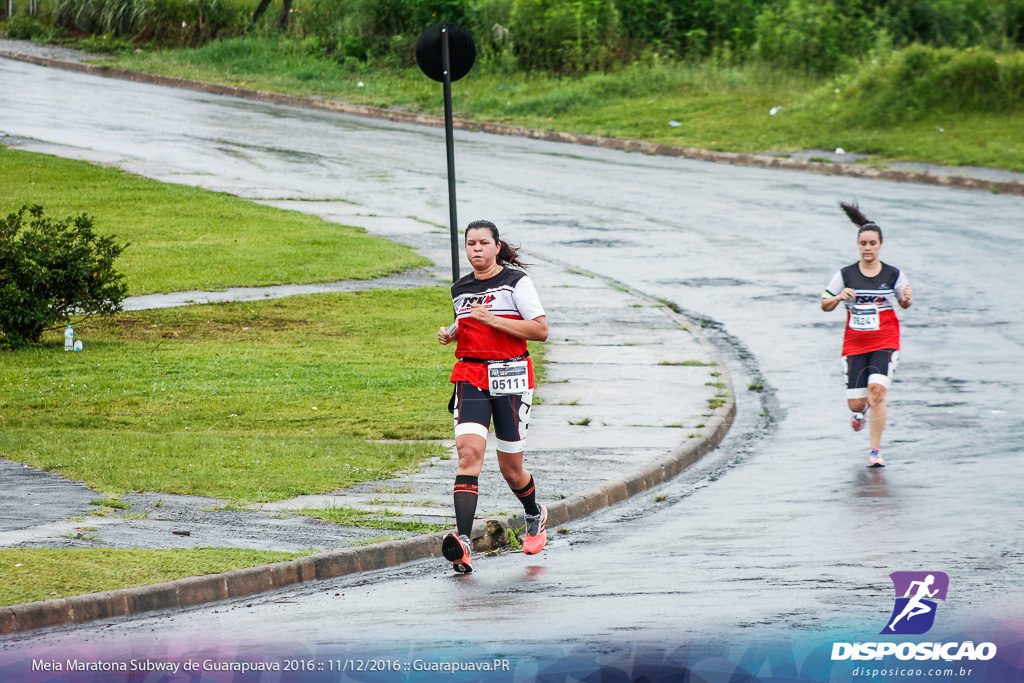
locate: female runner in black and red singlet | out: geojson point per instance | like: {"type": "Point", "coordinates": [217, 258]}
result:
{"type": "Point", "coordinates": [497, 311]}
{"type": "Point", "coordinates": [870, 290]}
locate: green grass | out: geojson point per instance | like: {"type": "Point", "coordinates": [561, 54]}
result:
{"type": "Point", "coordinates": [404, 488]}
{"type": "Point", "coordinates": [515, 542]}
{"type": "Point", "coordinates": [378, 539]}
{"type": "Point", "coordinates": [687, 363]}
{"type": "Point", "coordinates": [120, 504]}
{"type": "Point", "coordinates": [347, 516]}
{"type": "Point", "coordinates": [247, 401]}
{"type": "Point", "coordinates": [186, 238]}
{"type": "Point", "coordinates": [40, 574]}
{"type": "Point", "coordinates": [380, 500]}
{"type": "Point", "coordinates": [720, 108]}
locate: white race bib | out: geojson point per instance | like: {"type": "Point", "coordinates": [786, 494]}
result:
{"type": "Point", "coordinates": [508, 377]}
{"type": "Point", "coordinates": [864, 317]}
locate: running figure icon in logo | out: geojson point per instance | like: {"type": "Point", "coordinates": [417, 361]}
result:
{"type": "Point", "coordinates": [916, 588]}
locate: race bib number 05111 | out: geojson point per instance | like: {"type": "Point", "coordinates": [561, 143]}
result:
{"type": "Point", "coordinates": [864, 318]}
{"type": "Point", "coordinates": [508, 377]}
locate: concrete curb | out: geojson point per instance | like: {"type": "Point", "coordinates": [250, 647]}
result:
{"type": "Point", "coordinates": [738, 159]}
{"type": "Point", "coordinates": [238, 583]}
{"type": "Point", "coordinates": [197, 590]}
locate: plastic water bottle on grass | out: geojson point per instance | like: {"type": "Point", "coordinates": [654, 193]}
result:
{"type": "Point", "coordinates": [69, 338]}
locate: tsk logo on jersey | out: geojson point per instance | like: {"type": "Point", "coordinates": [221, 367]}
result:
{"type": "Point", "coordinates": [916, 593]}
{"type": "Point", "coordinates": [465, 303]}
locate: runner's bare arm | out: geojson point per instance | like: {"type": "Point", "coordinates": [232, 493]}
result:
{"type": "Point", "coordinates": [845, 295]}
{"type": "Point", "coordinates": [531, 330]}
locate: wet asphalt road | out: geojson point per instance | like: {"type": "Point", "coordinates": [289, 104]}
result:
{"type": "Point", "coordinates": [782, 533]}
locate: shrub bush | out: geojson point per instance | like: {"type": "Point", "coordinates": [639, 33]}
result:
{"type": "Point", "coordinates": [24, 27]}
{"type": "Point", "coordinates": [53, 269]}
{"type": "Point", "coordinates": [166, 22]}
{"type": "Point", "coordinates": [921, 80]}
{"type": "Point", "coordinates": [579, 36]}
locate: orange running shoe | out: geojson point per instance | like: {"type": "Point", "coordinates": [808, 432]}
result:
{"type": "Point", "coordinates": [536, 532]}
{"type": "Point", "coordinates": [456, 550]}
{"type": "Point", "coordinates": [874, 459]}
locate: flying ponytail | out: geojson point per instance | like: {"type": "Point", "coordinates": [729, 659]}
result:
{"type": "Point", "coordinates": [859, 219]}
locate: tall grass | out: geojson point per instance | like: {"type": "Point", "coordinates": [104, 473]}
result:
{"type": "Point", "coordinates": [581, 36]}
{"type": "Point", "coordinates": [173, 22]}
{"type": "Point", "coordinates": [919, 81]}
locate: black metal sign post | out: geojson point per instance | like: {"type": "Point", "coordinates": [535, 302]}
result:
{"type": "Point", "coordinates": [445, 53]}
{"type": "Point", "coordinates": [449, 146]}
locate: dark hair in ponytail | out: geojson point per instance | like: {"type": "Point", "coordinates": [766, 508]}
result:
{"type": "Point", "coordinates": [859, 219]}
{"type": "Point", "coordinates": [507, 254]}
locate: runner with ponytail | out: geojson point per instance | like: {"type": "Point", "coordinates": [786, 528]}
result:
{"type": "Point", "coordinates": [869, 289]}
{"type": "Point", "coordinates": [497, 312]}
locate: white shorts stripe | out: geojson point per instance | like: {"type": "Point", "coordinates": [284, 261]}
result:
{"type": "Point", "coordinates": [879, 379]}
{"type": "Point", "coordinates": [471, 428]}
{"type": "Point", "coordinates": [511, 446]}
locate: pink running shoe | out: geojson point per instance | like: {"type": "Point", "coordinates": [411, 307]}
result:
{"type": "Point", "coordinates": [536, 532]}
{"type": "Point", "coordinates": [874, 459]}
{"type": "Point", "coordinates": [857, 421]}
{"type": "Point", "coordinates": [456, 550]}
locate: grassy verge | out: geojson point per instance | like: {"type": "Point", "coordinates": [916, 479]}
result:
{"type": "Point", "coordinates": [186, 238]}
{"type": "Point", "coordinates": [721, 108]}
{"type": "Point", "coordinates": [42, 574]}
{"type": "Point", "coordinates": [249, 401]}
{"type": "Point", "coordinates": [348, 516]}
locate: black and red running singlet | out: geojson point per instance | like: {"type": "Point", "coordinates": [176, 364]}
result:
{"type": "Point", "coordinates": [871, 322]}
{"type": "Point", "coordinates": [509, 294]}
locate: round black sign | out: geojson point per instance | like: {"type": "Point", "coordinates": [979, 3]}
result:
{"type": "Point", "coordinates": [461, 51]}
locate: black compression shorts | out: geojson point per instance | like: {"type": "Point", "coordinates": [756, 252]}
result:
{"type": "Point", "coordinates": [474, 408]}
{"type": "Point", "coordinates": [874, 367]}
